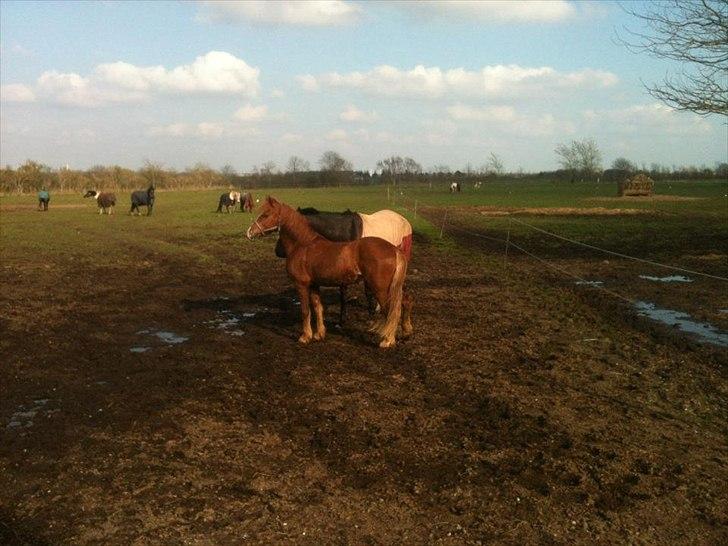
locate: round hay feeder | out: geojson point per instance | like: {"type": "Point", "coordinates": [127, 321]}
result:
{"type": "Point", "coordinates": [639, 185]}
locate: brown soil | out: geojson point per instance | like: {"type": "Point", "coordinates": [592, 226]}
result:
{"type": "Point", "coordinates": [521, 412]}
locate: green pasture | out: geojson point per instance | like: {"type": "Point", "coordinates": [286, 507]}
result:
{"type": "Point", "coordinates": [185, 223]}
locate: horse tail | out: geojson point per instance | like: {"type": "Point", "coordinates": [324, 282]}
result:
{"type": "Point", "coordinates": [387, 329]}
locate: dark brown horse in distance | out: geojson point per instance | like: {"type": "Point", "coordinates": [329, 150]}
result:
{"type": "Point", "coordinates": [105, 200]}
{"type": "Point", "coordinates": [313, 261]}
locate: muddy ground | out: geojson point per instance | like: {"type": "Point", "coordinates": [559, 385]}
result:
{"type": "Point", "coordinates": [523, 411]}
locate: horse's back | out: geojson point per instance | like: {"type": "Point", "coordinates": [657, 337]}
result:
{"type": "Point", "coordinates": [390, 226]}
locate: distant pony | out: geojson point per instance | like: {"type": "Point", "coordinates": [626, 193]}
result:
{"type": "Point", "coordinates": [455, 187]}
{"type": "Point", "coordinates": [227, 200]}
{"type": "Point", "coordinates": [43, 199]}
{"type": "Point", "coordinates": [142, 198]}
{"type": "Point", "coordinates": [247, 202]}
{"type": "Point", "coordinates": [105, 200]}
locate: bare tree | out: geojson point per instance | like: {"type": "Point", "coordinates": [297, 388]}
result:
{"type": "Point", "coordinates": [332, 161]}
{"type": "Point", "coordinates": [695, 33]}
{"type": "Point", "coordinates": [411, 166]}
{"type": "Point", "coordinates": [494, 164]}
{"type": "Point", "coordinates": [297, 165]}
{"type": "Point", "coordinates": [623, 164]}
{"type": "Point", "coordinates": [581, 156]}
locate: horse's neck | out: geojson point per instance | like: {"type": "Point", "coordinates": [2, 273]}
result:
{"type": "Point", "coordinates": [295, 230]}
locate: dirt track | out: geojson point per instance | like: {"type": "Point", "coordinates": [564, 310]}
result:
{"type": "Point", "coordinates": [517, 414]}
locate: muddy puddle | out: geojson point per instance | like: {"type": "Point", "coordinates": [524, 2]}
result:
{"type": "Point", "coordinates": [25, 414]}
{"type": "Point", "coordinates": [231, 321]}
{"type": "Point", "coordinates": [669, 278]}
{"type": "Point", "coordinates": [705, 332]}
{"type": "Point", "coordinates": [163, 337]}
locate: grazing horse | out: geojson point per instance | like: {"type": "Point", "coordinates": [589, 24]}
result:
{"type": "Point", "coordinates": [142, 198]}
{"type": "Point", "coordinates": [312, 262]}
{"type": "Point", "coordinates": [105, 200]}
{"type": "Point", "coordinates": [227, 200]}
{"type": "Point", "coordinates": [247, 202]}
{"type": "Point", "coordinates": [349, 226]}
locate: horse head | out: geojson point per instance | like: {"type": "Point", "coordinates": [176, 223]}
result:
{"type": "Point", "coordinates": [90, 193]}
{"type": "Point", "coordinates": [268, 220]}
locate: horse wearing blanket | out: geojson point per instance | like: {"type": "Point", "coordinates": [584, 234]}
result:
{"type": "Point", "coordinates": [350, 226]}
{"type": "Point", "coordinates": [142, 198]}
{"type": "Point", "coordinates": [228, 200]}
{"type": "Point", "coordinates": [106, 201]}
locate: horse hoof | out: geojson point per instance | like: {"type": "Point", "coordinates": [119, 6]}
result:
{"type": "Point", "coordinates": [319, 337]}
{"type": "Point", "coordinates": [304, 339]}
{"type": "Point", "coordinates": [386, 343]}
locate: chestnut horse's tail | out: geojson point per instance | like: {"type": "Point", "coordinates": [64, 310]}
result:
{"type": "Point", "coordinates": [387, 328]}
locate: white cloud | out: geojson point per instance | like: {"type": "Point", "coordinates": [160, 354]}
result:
{"type": "Point", "coordinates": [493, 11]}
{"type": "Point", "coordinates": [312, 13]}
{"type": "Point", "coordinates": [354, 115]}
{"type": "Point", "coordinates": [216, 72]}
{"type": "Point", "coordinates": [308, 82]}
{"type": "Point", "coordinates": [250, 113]}
{"type": "Point", "coordinates": [648, 119]}
{"type": "Point", "coordinates": [506, 119]}
{"type": "Point", "coordinates": [434, 82]}
{"type": "Point", "coordinates": [337, 135]}
{"type": "Point", "coordinates": [16, 92]}
{"type": "Point", "coordinates": [205, 130]}
{"type": "Point", "coordinates": [291, 137]}
{"type": "Point", "coordinates": [277, 93]}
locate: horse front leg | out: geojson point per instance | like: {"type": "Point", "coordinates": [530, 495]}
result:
{"type": "Point", "coordinates": [318, 308]}
{"type": "Point", "coordinates": [342, 304]}
{"type": "Point", "coordinates": [304, 296]}
{"type": "Point", "coordinates": [371, 301]}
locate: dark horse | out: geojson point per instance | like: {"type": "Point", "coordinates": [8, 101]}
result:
{"type": "Point", "coordinates": [142, 198]}
{"type": "Point", "coordinates": [313, 261]}
{"type": "Point", "coordinates": [105, 200]}
{"type": "Point", "coordinates": [227, 200]}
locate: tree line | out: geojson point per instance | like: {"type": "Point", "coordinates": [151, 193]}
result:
{"type": "Point", "coordinates": [579, 160]}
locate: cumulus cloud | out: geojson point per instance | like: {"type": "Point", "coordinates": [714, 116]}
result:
{"type": "Point", "coordinates": [216, 72]}
{"type": "Point", "coordinates": [507, 119]}
{"type": "Point", "coordinates": [434, 82]}
{"type": "Point", "coordinates": [311, 13]}
{"type": "Point", "coordinates": [291, 137]}
{"type": "Point", "coordinates": [204, 130]}
{"type": "Point", "coordinates": [16, 92]}
{"type": "Point", "coordinates": [249, 113]}
{"type": "Point", "coordinates": [648, 118]}
{"type": "Point", "coordinates": [493, 11]}
{"type": "Point", "coordinates": [337, 135]}
{"type": "Point", "coordinates": [353, 115]}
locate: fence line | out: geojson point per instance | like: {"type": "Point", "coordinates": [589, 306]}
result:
{"type": "Point", "coordinates": [509, 243]}
{"type": "Point", "coordinates": [619, 253]}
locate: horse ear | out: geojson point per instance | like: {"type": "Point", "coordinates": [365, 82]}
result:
{"type": "Point", "coordinates": [271, 200]}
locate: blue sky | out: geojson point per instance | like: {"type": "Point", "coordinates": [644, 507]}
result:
{"type": "Point", "coordinates": [446, 83]}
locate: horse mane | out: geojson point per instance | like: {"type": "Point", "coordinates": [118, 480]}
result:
{"type": "Point", "coordinates": [295, 222]}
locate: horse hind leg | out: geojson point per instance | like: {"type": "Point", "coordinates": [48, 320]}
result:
{"type": "Point", "coordinates": [407, 328]}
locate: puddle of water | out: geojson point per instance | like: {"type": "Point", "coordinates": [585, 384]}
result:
{"type": "Point", "coordinates": [170, 337]}
{"type": "Point", "coordinates": [139, 349]}
{"type": "Point", "coordinates": [683, 321]}
{"type": "Point", "coordinates": [589, 283]}
{"type": "Point", "coordinates": [723, 310]}
{"type": "Point", "coordinates": [23, 417]}
{"type": "Point", "coordinates": [669, 278]}
{"type": "Point", "coordinates": [229, 321]}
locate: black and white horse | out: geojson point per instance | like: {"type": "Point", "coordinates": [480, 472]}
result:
{"type": "Point", "coordinates": [455, 187]}
{"type": "Point", "coordinates": [227, 200]}
{"type": "Point", "coordinates": [142, 198]}
{"type": "Point", "coordinates": [105, 200]}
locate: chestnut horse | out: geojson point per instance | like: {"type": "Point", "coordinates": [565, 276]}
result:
{"type": "Point", "coordinates": [312, 262]}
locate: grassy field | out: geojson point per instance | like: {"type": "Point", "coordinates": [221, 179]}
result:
{"type": "Point", "coordinates": [526, 409]}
